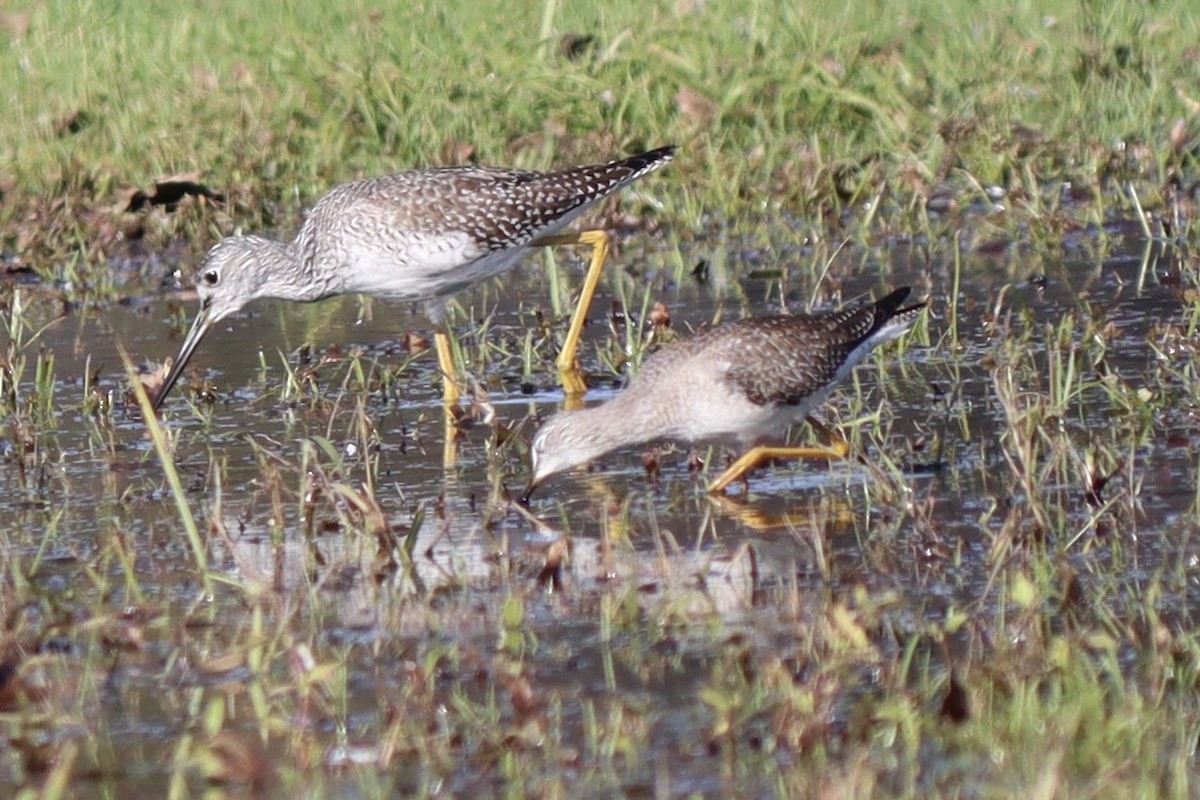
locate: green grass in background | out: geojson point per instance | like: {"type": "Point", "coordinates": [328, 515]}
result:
{"type": "Point", "coordinates": [809, 107]}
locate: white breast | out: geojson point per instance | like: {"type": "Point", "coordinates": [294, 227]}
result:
{"type": "Point", "coordinates": [422, 266]}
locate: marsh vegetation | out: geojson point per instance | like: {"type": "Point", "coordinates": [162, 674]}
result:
{"type": "Point", "coordinates": [278, 587]}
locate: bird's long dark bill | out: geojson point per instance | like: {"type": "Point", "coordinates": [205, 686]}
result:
{"type": "Point", "coordinates": [199, 327]}
{"type": "Point", "coordinates": [527, 495]}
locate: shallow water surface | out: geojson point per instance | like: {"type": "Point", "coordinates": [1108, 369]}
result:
{"type": "Point", "coordinates": [1040, 404]}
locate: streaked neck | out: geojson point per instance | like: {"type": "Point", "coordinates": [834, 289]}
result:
{"type": "Point", "coordinates": [284, 275]}
{"type": "Point", "coordinates": [618, 423]}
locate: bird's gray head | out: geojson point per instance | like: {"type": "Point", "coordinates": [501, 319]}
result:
{"type": "Point", "coordinates": [235, 271]}
{"type": "Point", "coordinates": [549, 450]}
{"type": "Point", "coordinates": [568, 439]}
{"type": "Point", "coordinates": [553, 450]}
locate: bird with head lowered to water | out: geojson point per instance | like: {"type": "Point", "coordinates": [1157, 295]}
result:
{"type": "Point", "coordinates": [742, 383]}
{"type": "Point", "coordinates": [417, 235]}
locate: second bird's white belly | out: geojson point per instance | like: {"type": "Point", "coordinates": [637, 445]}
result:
{"type": "Point", "coordinates": [723, 416]}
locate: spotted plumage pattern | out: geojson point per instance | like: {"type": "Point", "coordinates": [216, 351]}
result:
{"type": "Point", "coordinates": [496, 208]}
{"type": "Point", "coordinates": [417, 235]}
{"type": "Point", "coordinates": [742, 382]}
{"type": "Point", "coordinates": [430, 233]}
{"type": "Point", "coordinates": [798, 356]}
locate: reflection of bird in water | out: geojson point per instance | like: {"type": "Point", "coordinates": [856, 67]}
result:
{"type": "Point", "coordinates": [741, 382]}
{"type": "Point", "coordinates": [417, 235]}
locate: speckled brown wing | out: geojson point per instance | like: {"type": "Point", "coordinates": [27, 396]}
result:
{"type": "Point", "coordinates": [541, 200]}
{"type": "Point", "coordinates": [786, 359]}
{"type": "Point", "coordinates": [498, 208]}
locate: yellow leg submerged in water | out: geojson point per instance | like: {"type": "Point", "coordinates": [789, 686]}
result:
{"type": "Point", "coordinates": [568, 365]}
{"type": "Point", "coordinates": [837, 449]}
{"type": "Point", "coordinates": [450, 392]}
{"type": "Point", "coordinates": [450, 441]}
{"type": "Point", "coordinates": [450, 397]}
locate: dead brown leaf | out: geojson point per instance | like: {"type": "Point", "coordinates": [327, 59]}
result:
{"type": "Point", "coordinates": [241, 73]}
{"type": "Point", "coordinates": [695, 107]}
{"type": "Point", "coordinates": [458, 153]}
{"type": "Point", "coordinates": [524, 700]}
{"type": "Point", "coordinates": [660, 316]}
{"type": "Point", "coordinates": [240, 759]}
{"type": "Point", "coordinates": [557, 554]}
{"type": "Point", "coordinates": [204, 78]}
{"type": "Point", "coordinates": [170, 191]}
{"type": "Point", "coordinates": [16, 23]}
{"type": "Point", "coordinates": [415, 342]}
{"type": "Point", "coordinates": [651, 465]}
{"type": "Point", "coordinates": [1180, 137]}
{"type": "Point", "coordinates": [152, 382]}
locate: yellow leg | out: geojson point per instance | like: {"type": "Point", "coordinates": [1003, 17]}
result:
{"type": "Point", "coordinates": [450, 396]}
{"type": "Point", "coordinates": [450, 393]}
{"type": "Point", "coordinates": [450, 442]}
{"type": "Point", "coordinates": [837, 449]}
{"type": "Point", "coordinates": [568, 366]}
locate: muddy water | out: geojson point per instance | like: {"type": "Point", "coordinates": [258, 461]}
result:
{"type": "Point", "coordinates": [919, 512]}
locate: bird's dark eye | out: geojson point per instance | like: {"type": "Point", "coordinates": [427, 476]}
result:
{"type": "Point", "coordinates": [211, 277]}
